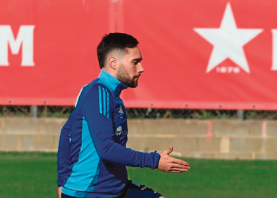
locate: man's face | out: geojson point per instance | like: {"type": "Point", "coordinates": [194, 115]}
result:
{"type": "Point", "coordinates": [130, 67]}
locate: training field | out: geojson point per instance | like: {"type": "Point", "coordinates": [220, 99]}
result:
{"type": "Point", "coordinates": [33, 175]}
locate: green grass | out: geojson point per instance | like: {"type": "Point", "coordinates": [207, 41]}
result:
{"type": "Point", "coordinates": [33, 175]}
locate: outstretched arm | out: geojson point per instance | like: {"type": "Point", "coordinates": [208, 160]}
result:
{"type": "Point", "coordinates": [101, 128]}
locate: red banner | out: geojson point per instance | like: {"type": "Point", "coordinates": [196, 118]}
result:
{"type": "Point", "coordinates": [214, 54]}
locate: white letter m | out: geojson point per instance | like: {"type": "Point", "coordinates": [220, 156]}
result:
{"type": "Point", "coordinates": [24, 37]}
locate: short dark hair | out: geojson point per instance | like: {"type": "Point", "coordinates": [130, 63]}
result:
{"type": "Point", "coordinates": [114, 41]}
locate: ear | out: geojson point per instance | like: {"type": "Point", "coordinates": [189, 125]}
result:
{"type": "Point", "coordinates": [113, 62]}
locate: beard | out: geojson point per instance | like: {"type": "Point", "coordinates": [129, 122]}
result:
{"type": "Point", "coordinates": [124, 77]}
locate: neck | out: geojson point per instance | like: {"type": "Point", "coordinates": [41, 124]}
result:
{"type": "Point", "coordinates": [111, 82]}
{"type": "Point", "coordinates": [110, 71]}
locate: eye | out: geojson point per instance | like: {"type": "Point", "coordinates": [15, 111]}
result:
{"type": "Point", "coordinates": [135, 63]}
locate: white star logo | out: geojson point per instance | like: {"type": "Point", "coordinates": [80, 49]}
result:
{"type": "Point", "coordinates": [228, 41]}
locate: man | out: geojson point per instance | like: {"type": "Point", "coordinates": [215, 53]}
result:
{"type": "Point", "coordinates": [92, 155]}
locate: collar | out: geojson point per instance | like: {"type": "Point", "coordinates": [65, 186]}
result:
{"type": "Point", "coordinates": [111, 82]}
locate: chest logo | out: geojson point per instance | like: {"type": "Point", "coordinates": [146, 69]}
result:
{"type": "Point", "coordinates": [119, 131]}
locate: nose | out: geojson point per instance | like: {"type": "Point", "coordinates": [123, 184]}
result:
{"type": "Point", "coordinates": [140, 68]}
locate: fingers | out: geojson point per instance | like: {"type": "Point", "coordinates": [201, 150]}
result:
{"type": "Point", "coordinates": [172, 168]}
{"type": "Point", "coordinates": [178, 161]}
{"type": "Point", "coordinates": [177, 167]}
{"type": "Point", "coordinates": [175, 171]}
{"type": "Point", "coordinates": [169, 150]}
{"type": "Point", "coordinates": [170, 164]}
{"type": "Point", "coordinates": [174, 165]}
{"type": "Point", "coordinates": [181, 168]}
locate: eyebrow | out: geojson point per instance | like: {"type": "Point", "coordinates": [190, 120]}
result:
{"type": "Point", "coordinates": [137, 59]}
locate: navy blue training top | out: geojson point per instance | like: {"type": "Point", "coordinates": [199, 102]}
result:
{"type": "Point", "coordinates": [92, 153]}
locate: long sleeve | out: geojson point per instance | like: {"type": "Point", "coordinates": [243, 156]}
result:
{"type": "Point", "coordinates": [64, 151]}
{"type": "Point", "coordinates": [98, 111]}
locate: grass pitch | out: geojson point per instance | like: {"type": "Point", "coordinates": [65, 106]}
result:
{"type": "Point", "coordinates": [33, 175]}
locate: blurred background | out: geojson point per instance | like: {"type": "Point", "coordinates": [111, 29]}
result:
{"type": "Point", "coordinates": [208, 89]}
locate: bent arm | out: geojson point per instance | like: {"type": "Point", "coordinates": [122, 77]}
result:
{"type": "Point", "coordinates": [64, 152]}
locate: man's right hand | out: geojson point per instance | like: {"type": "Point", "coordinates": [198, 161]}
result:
{"type": "Point", "coordinates": [170, 164]}
{"type": "Point", "coordinates": [60, 192]}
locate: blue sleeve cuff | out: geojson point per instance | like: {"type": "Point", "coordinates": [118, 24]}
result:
{"type": "Point", "coordinates": [156, 159]}
{"type": "Point", "coordinates": [59, 184]}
